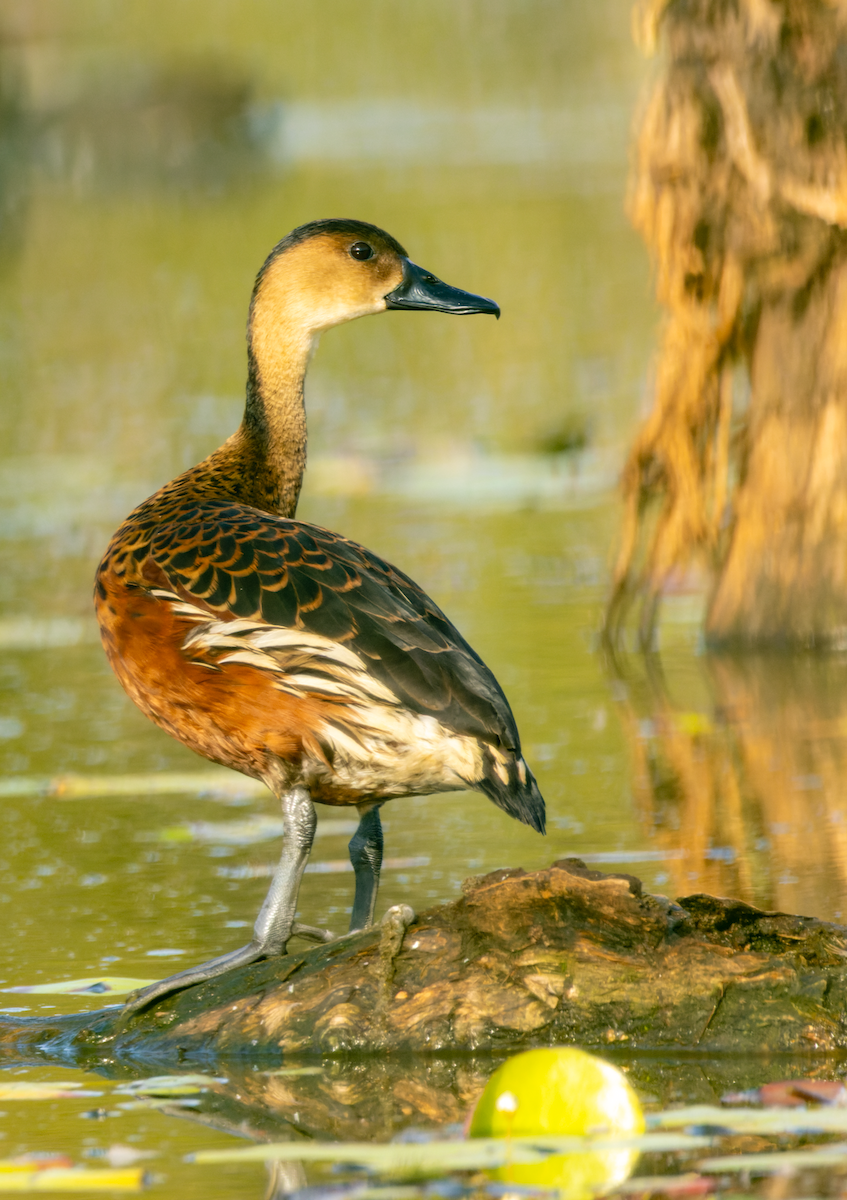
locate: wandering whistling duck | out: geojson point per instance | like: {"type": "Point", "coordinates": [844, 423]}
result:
{"type": "Point", "coordinates": [288, 652]}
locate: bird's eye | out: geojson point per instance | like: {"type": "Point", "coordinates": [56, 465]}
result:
{"type": "Point", "coordinates": [361, 250]}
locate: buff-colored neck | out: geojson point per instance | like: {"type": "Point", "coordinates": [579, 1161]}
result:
{"type": "Point", "coordinates": [272, 437]}
{"type": "Point", "coordinates": [262, 464]}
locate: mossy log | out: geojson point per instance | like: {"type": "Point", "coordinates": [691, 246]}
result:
{"type": "Point", "coordinates": [565, 955]}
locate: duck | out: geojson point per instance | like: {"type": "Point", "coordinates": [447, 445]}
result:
{"type": "Point", "coordinates": [283, 650]}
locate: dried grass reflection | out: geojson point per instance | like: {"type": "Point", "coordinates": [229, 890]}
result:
{"type": "Point", "coordinates": [744, 797]}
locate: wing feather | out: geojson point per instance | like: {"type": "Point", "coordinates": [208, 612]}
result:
{"type": "Point", "coordinates": [243, 565]}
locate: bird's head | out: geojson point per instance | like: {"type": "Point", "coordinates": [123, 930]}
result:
{"type": "Point", "coordinates": [328, 272]}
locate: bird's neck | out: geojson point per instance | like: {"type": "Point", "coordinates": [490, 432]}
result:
{"type": "Point", "coordinates": [262, 464]}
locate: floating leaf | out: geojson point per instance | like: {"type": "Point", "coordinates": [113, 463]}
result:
{"type": "Point", "coordinates": [753, 1120]}
{"type": "Point", "coordinates": [810, 1159]}
{"type": "Point", "coordinates": [401, 1193]}
{"type": "Point", "coordinates": [362, 1190]}
{"type": "Point", "coordinates": [340, 865]}
{"type": "Point", "coordinates": [72, 1179]}
{"type": "Point", "coordinates": [437, 1157]}
{"type": "Point", "coordinates": [157, 1102]}
{"type": "Point", "coordinates": [290, 1071]}
{"type": "Point", "coordinates": [160, 783]}
{"type": "Point", "coordinates": [227, 833]}
{"type": "Point", "coordinates": [792, 1093]}
{"type": "Point", "coordinates": [328, 1191]}
{"type": "Point", "coordinates": [259, 828]}
{"type": "Point", "coordinates": [171, 1085]}
{"type": "Point", "coordinates": [690, 1184]}
{"type": "Point", "coordinates": [100, 985]}
{"type": "Point", "coordinates": [333, 866]}
{"type": "Point", "coordinates": [35, 1161]}
{"type": "Point", "coordinates": [118, 1155]}
{"type": "Point", "coordinates": [43, 1090]}
{"type": "Point", "coordinates": [395, 1159]}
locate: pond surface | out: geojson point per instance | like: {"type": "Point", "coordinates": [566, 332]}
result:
{"type": "Point", "coordinates": [149, 158]}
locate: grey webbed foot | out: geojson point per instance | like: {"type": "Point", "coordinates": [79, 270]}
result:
{"type": "Point", "coordinates": [252, 952]}
{"type": "Point", "coordinates": [242, 957]}
{"type": "Point", "coordinates": [275, 923]}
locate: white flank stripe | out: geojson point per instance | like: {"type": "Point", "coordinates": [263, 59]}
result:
{"type": "Point", "coordinates": [288, 653]}
{"type": "Point", "coordinates": [379, 747]}
{"type": "Point", "coordinates": [251, 658]}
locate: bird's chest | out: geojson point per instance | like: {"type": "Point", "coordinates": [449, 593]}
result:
{"type": "Point", "coordinates": [232, 715]}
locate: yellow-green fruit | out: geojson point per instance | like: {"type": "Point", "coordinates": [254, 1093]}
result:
{"type": "Point", "coordinates": [562, 1091]}
{"type": "Point", "coordinates": [568, 1092]}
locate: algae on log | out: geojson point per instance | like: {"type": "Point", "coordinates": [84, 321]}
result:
{"type": "Point", "coordinates": [550, 957]}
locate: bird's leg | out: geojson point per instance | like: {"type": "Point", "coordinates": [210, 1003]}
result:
{"type": "Point", "coordinates": [366, 856]}
{"type": "Point", "coordinates": [275, 922]}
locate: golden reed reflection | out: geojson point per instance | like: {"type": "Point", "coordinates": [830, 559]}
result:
{"type": "Point", "coordinates": [749, 798]}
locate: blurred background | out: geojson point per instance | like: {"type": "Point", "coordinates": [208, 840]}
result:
{"type": "Point", "coordinates": [150, 156]}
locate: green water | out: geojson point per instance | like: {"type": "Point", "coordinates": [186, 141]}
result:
{"type": "Point", "coordinates": [150, 155]}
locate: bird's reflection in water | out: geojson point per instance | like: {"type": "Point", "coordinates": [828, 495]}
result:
{"type": "Point", "coordinates": [284, 1178]}
{"type": "Point", "coordinates": [746, 794]}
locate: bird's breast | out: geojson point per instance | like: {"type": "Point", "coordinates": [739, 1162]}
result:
{"type": "Point", "coordinates": [232, 714]}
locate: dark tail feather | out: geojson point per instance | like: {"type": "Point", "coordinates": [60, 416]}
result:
{"type": "Point", "coordinates": [517, 793]}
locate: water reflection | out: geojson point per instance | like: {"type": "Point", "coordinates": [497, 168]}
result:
{"type": "Point", "coordinates": [301, 1104]}
{"type": "Point", "coordinates": [284, 1178]}
{"type": "Point", "coordinates": [744, 794]}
